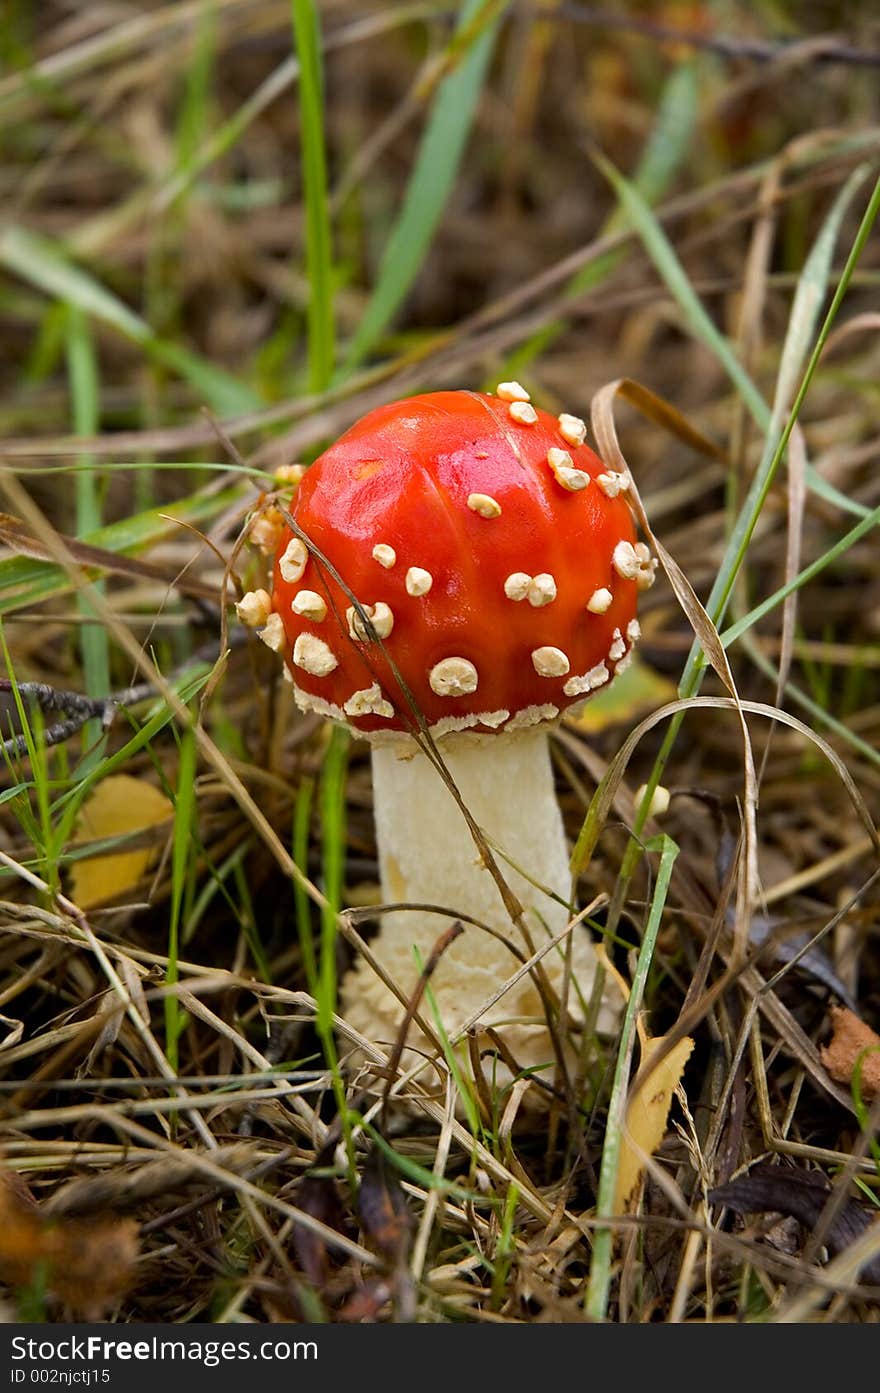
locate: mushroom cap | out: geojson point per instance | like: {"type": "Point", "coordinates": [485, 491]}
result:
{"type": "Point", "coordinates": [464, 530]}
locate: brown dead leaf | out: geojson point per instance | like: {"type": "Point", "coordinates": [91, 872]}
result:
{"type": "Point", "coordinates": [14, 534]}
{"type": "Point", "coordinates": [648, 1113]}
{"type": "Point", "coordinates": [86, 1263]}
{"type": "Point", "coordinates": [387, 1226]}
{"type": "Point", "coordinates": [852, 1043]}
{"type": "Point", "coordinates": [318, 1196]}
{"type": "Point", "coordinates": [384, 1215]}
{"type": "Point", "coordinates": [802, 1194]}
{"type": "Point", "coordinates": [118, 805]}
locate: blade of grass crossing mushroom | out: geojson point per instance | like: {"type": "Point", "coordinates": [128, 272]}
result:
{"type": "Point", "coordinates": [596, 1302]}
{"type": "Point", "coordinates": [82, 370]}
{"type": "Point", "coordinates": [432, 179]}
{"type": "Point", "coordinates": [184, 822]}
{"type": "Point", "coordinates": [319, 256]}
{"type": "Point", "coordinates": [602, 417]}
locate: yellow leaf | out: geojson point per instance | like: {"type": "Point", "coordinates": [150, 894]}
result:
{"type": "Point", "coordinates": [647, 1114]}
{"type": "Point", "coordinates": [118, 805]}
{"type": "Point", "coordinates": [638, 689]}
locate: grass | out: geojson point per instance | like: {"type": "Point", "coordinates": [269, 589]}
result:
{"type": "Point", "coordinates": [85, 412]}
{"type": "Point", "coordinates": [319, 255]}
{"type": "Point", "coordinates": [230, 229]}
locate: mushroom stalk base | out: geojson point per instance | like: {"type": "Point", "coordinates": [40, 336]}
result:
{"type": "Point", "coordinates": [427, 856]}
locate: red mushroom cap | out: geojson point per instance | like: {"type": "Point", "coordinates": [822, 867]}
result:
{"type": "Point", "coordinates": [502, 584]}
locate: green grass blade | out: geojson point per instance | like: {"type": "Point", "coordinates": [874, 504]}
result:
{"type": "Point", "coordinates": [817, 271]}
{"type": "Point", "coordinates": [192, 125]}
{"type": "Point", "coordinates": [66, 807]}
{"type": "Point", "coordinates": [810, 293]}
{"type": "Point", "coordinates": [302, 813]}
{"type": "Point", "coordinates": [448, 127]}
{"type": "Point", "coordinates": [319, 255]}
{"type": "Point", "coordinates": [462, 1084]}
{"type": "Point", "coordinates": [701, 325]}
{"type": "Point", "coordinates": [868, 752]}
{"type": "Point", "coordinates": [24, 581]}
{"type": "Point", "coordinates": [333, 851]}
{"type": "Point", "coordinates": [249, 921]}
{"type": "Point", "coordinates": [184, 821]}
{"type": "Point", "coordinates": [505, 1247]}
{"type": "Point", "coordinates": [737, 546]}
{"type": "Point", "coordinates": [667, 146]}
{"type": "Point", "coordinates": [661, 252]}
{"type": "Point", "coordinates": [600, 1265]}
{"type": "Point", "coordinates": [84, 391]}
{"type": "Point", "coordinates": [774, 452]}
{"type": "Point", "coordinates": [333, 810]}
{"type": "Point", "coordinates": [38, 826]}
{"type": "Point", "coordinates": [39, 261]}
{"type": "Point", "coordinates": [855, 534]}
{"type": "Point", "coordinates": [665, 149]}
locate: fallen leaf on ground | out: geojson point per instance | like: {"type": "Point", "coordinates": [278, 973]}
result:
{"type": "Point", "coordinates": [87, 1263]}
{"type": "Point", "coordinates": [802, 1195]}
{"type": "Point", "coordinates": [318, 1196]}
{"type": "Point", "coordinates": [118, 805]}
{"type": "Point", "coordinates": [648, 1113]}
{"type": "Point", "coordinates": [387, 1226]}
{"type": "Point", "coordinates": [385, 1218]}
{"type": "Point", "coordinates": [845, 1050]}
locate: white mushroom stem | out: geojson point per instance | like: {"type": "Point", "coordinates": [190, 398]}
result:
{"type": "Point", "coordinates": [427, 855]}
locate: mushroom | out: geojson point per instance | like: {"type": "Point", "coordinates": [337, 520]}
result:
{"type": "Point", "coordinates": [496, 586]}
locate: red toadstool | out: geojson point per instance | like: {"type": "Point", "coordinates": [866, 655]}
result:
{"type": "Point", "coordinates": [495, 561]}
